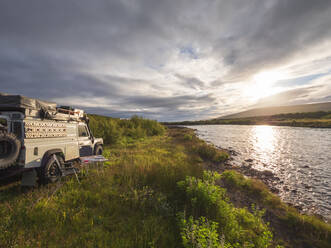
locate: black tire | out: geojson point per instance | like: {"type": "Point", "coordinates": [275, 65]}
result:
{"type": "Point", "coordinates": [51, 172]}
{"type": "Point", "coordinates": [98, 150]}
{"type": "Point", "coordinates": [9, 149]}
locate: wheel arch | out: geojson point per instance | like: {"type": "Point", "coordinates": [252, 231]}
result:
{"type": "Point", "coordinates": [49, 153]}
{"type": "Point", "coordinates": [97, 144]}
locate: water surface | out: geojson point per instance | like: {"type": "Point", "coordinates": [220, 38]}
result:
{"type": "Point", "coordinates": [300, 157]}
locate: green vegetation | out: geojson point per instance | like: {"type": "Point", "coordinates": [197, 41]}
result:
{"type": "Point", "coordinates": [310, 119]}
{"type": "Point", "coordinates": [154, 191]}
{"type": "Point", "coordinates": [208, 152]}
{"type": "Point", "coordinates": [300, 230]}
{"type": "Point", "coordinates": [199, 233]}
{"type": "Point", "coordinates": [114, 130]}
{"type": "Point", "coordinates": [238, 226]}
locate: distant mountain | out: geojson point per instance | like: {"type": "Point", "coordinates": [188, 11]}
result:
{"type": "Point", "coordinates": [267, 111]}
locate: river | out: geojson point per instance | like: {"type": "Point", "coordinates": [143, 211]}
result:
{"type": "Point", "coordinates": [300, 157]}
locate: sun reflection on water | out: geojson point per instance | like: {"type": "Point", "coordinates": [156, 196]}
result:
{"type": "Point", "coordinates": [264, 141]}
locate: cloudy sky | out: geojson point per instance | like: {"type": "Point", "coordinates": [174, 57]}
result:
{"type": "Point", "coordinates": [168, 59]}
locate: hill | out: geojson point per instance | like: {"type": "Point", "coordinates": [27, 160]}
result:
{"type": "Point", "coordinates": [268, 111]}
{"type": "Point", "coordinates": [319, 119]}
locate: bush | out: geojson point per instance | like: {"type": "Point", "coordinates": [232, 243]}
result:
{"type": "Point", "coordinates": [200, 233]}
{"type": "Point", "coordinates": [115, 131]}
{"type": "Point", "coordinates": [188, 137]}
{"type": "Point", "coordinates": [202, 194]}
{"type": "Point", "coordinates": [255, 188]}
{"type": "Point", "coordinates": [211, 153]}
{"type": "Point", "coordinates": [240, 227]}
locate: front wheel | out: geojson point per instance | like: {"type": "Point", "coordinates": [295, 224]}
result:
{"type": "Point", "coordinates": [51, 171]}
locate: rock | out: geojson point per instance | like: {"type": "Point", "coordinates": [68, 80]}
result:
{"type": "Point", "coordinates": [286, 188]}
{"type": "Point", "coordinates": [247, 165]}
{"type": "Point", "coordinates": [267, 173]}
{"type": "Point", "coordinates": [232, 152]}
{"type": "Point", "coordinates": [249, 160]}
{"type": "Point", "coordinates": [298, 207]}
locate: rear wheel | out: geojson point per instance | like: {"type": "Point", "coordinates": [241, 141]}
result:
{"type": "Point", "coordinates": [51, 171]}
{"type": "Point", "coordinates": [98, 150]}
{"type": "Point", "coordinates": [9, 149]}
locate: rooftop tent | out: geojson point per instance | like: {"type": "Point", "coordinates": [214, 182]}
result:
{"type": "Point", "coordinates": [12, 102]}
{"type": "Point", "coordinates": [39, 109]}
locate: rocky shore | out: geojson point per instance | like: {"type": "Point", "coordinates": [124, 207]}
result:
{"type": "Point", "coordinates": [266, 176]}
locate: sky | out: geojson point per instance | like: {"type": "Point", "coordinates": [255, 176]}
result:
{"type": "Point", "coordinates": [168, 60]}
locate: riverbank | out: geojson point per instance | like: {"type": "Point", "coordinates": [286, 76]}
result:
{"type": "Point", "coordinates": [297, 157]}
{"type": "Point", "coordinates": [258, 189]}
{"type": "Point", "coordinates": [158, 191]}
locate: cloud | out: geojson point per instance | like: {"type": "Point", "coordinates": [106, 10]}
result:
{"type": "Point", "coordinates": [291, 97]}
{"type": "Point", "coordinates": [166, 60]}
{"type": "Point", "coordinates": [192, 82]}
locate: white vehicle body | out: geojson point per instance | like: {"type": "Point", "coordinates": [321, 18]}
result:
{"type": "Point", "coordinates": [39, 138]}
{"type": "Point", "coordinates": [37, 134]}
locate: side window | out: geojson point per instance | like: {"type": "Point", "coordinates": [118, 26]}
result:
{"type": "Point", "coordinates": [17, 129]}
{"type": "Point", "coordinates": [3, 123]}
{"type": "Point", "coordinates": [82, 131]}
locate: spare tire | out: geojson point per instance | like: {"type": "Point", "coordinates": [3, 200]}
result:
{"type": "Point", "coordinates": [9, 149]}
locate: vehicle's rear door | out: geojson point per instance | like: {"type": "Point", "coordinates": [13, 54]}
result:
{"type": "Point", "coordinates": [84, 141]}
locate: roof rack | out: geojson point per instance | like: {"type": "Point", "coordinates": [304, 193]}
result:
{"type": "Point", "coordinates": [71, 114]}
{"type": "Point", "coordinates": [35, 108]}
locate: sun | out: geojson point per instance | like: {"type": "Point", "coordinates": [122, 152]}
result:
{"type": "Point", "coordinates": [263, 84]}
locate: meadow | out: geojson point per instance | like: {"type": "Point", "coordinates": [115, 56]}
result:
{"type": "Point", "coordinates": [156, 190]}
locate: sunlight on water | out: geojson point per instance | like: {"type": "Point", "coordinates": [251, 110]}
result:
{"type": "Point", "coordinates": [264, 138]}
{"type": "Point", "coordinates": [264, 141]}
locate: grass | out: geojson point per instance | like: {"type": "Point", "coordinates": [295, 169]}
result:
{"type": "Point", "coordinates": [155, 192]}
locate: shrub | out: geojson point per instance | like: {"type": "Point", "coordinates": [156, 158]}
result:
{"type": "Point", "coordinates": [234, 178]}
{"type": "Point", "coordinates": [253, 187]}
{"type": "Point", "coordinates": [115, 131]}
{"type": "Point", "coordinates": [200, 233]}
{"type": "Point", "coordinates": [211, 153]}
{"type": "Point", "coordinates": [203, 194]}
{"type": "Point", "coordinates": [188, 137]}
{"type": "Point", "coordinates": [240, 227]}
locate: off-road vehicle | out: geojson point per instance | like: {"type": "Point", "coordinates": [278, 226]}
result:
{"type": "Point", "coordinates": [40, 136]}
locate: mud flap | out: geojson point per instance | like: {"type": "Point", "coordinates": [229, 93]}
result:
{"type": "Point", "coordinates": [29, 178]}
